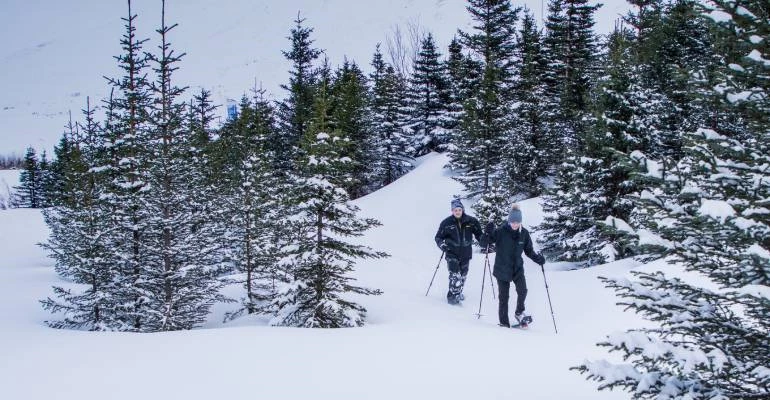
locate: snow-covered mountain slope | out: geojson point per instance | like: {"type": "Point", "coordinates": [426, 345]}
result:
{"type": "Point", "coordinates": [53, 54]}
{"type": "Point", "coordinates": [414, 347]}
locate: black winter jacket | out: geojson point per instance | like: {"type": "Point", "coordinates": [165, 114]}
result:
{"type": "Point", "coordinates": [458, 235]}
{"type": "Point", "coordinates": [509, 245]}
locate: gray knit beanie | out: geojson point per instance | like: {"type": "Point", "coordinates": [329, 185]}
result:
{"type": "Point", "coordinates": [456, 203]}
{"type": "Point", "coordinates": [515, 214]}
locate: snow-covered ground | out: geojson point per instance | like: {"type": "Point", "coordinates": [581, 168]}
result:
{"type": "Point", "coordinates": [9, 178]}
{"type": "Point", "coordinates": [414, 347]}
{"type": "Point", "coordinates": [54, 53]}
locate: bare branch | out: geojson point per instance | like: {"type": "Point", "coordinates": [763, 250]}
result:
{"type": "Point", "coordinates": [403, 45]}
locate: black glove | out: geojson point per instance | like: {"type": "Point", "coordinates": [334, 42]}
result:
{"type": "Point", "coordinates": [444, 247]}
{"type": "Point", "coordinates": [490, 227]}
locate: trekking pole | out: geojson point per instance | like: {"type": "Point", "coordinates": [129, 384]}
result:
{"type": "Point", "coordinates": [491, 281]}
{"type": "Point", "coordinates": [434, 272]}
{"type": "Point", "coordinates": [487, 265]}
{"type": "Point", "coordinates": [542, 268]}
{"type": "Point", "coordinates": [481, 297]}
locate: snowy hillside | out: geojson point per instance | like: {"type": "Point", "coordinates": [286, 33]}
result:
{"type": "Point", "coordinates": [414, 347]}
{"type": "Point", "coordinates": [47, 68]}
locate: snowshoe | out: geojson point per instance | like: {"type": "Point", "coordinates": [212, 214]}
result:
{"type": "Point", "coordinates": [523, 321]}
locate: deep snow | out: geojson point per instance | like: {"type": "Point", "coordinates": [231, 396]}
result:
{"type": "Point", "coordinates": [414, 347]}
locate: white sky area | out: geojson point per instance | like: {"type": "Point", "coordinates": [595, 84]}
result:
{"type": "Point", "coordinates": [54, 53]}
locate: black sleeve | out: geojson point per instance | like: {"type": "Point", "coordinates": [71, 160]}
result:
{"type": "Point", "coordinates": [490, 236]}
{"type": "Point", "coordinates": [439, 238]}
{"type": "Point", "coordinates": [530, 251]}
{"type": "Point", "coordinates": [478, 233]}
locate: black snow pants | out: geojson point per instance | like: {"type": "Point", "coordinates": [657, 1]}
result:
{"type": "Point", "coordinates": [521, 295]}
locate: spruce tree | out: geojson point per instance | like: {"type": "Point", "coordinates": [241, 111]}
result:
{"type": "Point", "coordinates": [494, 39]}
{"type": "Point", "coordinates": [553, 51]}
{"type": "Point", "coordinates": [46, 183]}
{"type": "Point", "coordinates": [590, 184]}
{"type": "Point", "coordinates": [570, 226]}
{"type": "Point", "coordinates": [494, 205]}
{"type": "Point", "coordinates": [579, 60]}
{"type": "Point", "coordinates": [124, 164]}
{"type": "Point", "coordinates": [180, 275]}
{"type": "Point", "coordinates": [294, 112]}
{"type": "Point", "coordinates": [477, 152]}
{"type": "Point", "coordinates": [673, 51]}
{"type": "Point", "coordinates": [622, 127]}
{"type": "Point", "coordinates": [426, 101]}
{"type": "Point", "coordinates": [255, 210]}
{"type": "Point", "coordinates": [571, 49]}
{"type": "Point", "coordinates": [350, 113]}
{"type": "Point", "coordinates": [392, 157]}
{"type": "Point", "coordinates": [60, 187]}
{"type": "Point", "coordinates": [200, 117]}
{"type": "Point", "coordinates": [231, 147]}
{"type": "Point", "coordinates": [554, 48]}
{"type": "Point", "coordinates": [457, 78]}
{"type": "Point", "coordinates": [709, 343]}
{"type": "Point", "coordinates": [710, 213]}
{"type": "Point", "coordinates": [29, 191]}
{"type": "Point", "coordinates": [318, 295]}
{"type": "Point", "coordinates": [670, 95]}
{"type": "Point", "coordinates": [589, 222]}
{"type": "Point", "coordinates": [529, 151]}
{"type": "Point", "coordinates": [79, 240]}
{"type": "Point", "coordinates": [463, 79]}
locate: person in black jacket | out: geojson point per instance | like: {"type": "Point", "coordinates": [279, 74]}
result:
{"type": "Point", "coordinates": [455, 237]}
{"type": "Point", "coordinates": [512, 239]}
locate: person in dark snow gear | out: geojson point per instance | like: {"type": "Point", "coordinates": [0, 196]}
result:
{"type": "Point", "coordinates": [511, 239]}
{"type": "Point", "coordinates": [455, 237]}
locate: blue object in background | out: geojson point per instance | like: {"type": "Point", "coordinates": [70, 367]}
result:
{"type": "Point", "coordinates": [232, 112]}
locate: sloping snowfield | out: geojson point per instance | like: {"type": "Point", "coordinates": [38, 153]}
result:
{"type": "Point", "coordinates": [414, 347]}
